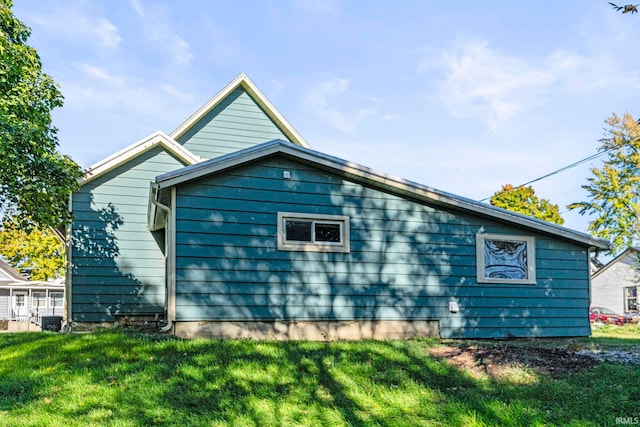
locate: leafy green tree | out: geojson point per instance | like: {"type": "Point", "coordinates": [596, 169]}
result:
{"type": "Point", "coordinates": [524, 200]}
{"type": "Point", "coordinates": [35, 179]}
{"type": "Point", "coordinates": [39, 250]}
{"type": "Point", "coordinates": [614, 190]}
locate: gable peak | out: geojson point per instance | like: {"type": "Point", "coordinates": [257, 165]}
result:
{"type": "Point", "coordinates": [244, 82]}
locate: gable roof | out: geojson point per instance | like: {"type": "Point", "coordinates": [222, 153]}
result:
{"type": "Point", "coordinates": [9, 274]}
{"type": "Point", "coordinates": [11, 279]}
{"type": "Point", "coordinates": [145, 144]}
{"type": "Point", "coordinates": [627, 252]}
{"type": "Point", "coordinates": [362, 174]}
{"type": "Point", "coordinates": [242, 81]}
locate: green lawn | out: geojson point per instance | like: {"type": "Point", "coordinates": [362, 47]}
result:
{"type": "Point", "coordinates": [124, 378]}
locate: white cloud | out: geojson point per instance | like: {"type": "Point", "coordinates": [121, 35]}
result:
{"type": "Point", "coordinates": [496, 87]}
{"type": "Point", "coordinates": [139, 9]}
{"type": "Point", "coordinates": [327, 98]}
{"type": "Point", "coordinates": [175, 92]}
{"type": "Point", "coordinates": [480, 81]}
{"type": "Point", "coordinates": [116, 91]}
{"type": "Point", "coordinates": [180, 50]}
{"type": "Point", "coordinates": [81, 25]}
{"type": "Point", "coordinates": [98, 73]}
{"type": "Point", "coordinates": [158, 27]}
{"type": "Point", "coordinates": [276, 87]}
{"type": "Point", "coordinates": [106, 33]}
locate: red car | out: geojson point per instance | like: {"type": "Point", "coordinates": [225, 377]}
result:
{"type": "Point", "coordinates": [604, 315]}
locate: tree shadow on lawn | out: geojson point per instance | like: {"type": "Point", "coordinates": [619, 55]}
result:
{"type": "Point", "coordinates": [112, 377]}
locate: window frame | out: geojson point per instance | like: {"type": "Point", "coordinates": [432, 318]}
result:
{"type": "Point", "coordinates": [39, 299]}
{"type": "Point", "coordinates": [343, 246]}
{"type": "Point", "coordinates": [530, 242]}
{"type": "Point", "coordinates": [628, 297]}
{"type": "Point", "coordinates": [52, 299]}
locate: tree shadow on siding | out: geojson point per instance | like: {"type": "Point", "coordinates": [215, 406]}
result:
{"type": "Point", "coordinates": [406, 261]}
{"type": "Point", "coordinates": [100, 290]}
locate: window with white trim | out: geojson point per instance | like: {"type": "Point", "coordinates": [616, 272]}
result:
{"type": "Point", "coordinates": [313, 232]}
{"type": "Point", "coordinates": [631, 298]}
{"type": "Point", "coordinates": [56, 299]}
{"type": "Point", "coordinates": [39, 299]}
{"type": "Point", "coordinates": [505, 259]}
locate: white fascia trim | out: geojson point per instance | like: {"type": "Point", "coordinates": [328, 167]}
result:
{"type": "Point", "coordinates": [134, 150]}
{"type": "Point", "coordinates": [220, 163]}
{"type": "Point", "coordinates": [391, 183]}
{"type": "Point", "coordinates": [259, 97]}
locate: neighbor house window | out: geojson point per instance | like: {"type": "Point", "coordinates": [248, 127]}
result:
{"type": "Point", "coordinates": [310, 232]}
{"type": "Point", "coordinates": [39, 299]}
{"type": "Point", "coordinates": [56, 299]}
{"type": "Point", "coordinates": [631, 298]}
{"type": "Point", "coordinates": [505, 259]}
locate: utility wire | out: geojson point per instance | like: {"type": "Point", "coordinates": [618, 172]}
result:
{"type": "Point", "coordinates": [572, 165]}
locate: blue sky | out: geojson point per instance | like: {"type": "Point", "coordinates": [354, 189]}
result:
{"type": "Point", "coordinates": [458, 95]}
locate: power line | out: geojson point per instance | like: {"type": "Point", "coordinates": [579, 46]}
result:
{"type": "Point", "coordinates": [562, 169]}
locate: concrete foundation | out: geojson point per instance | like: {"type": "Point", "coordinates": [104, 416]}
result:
{"type": "Point", "coordinates": [311, 330]}
{"type": "Point", "coordinates": [16, 326]}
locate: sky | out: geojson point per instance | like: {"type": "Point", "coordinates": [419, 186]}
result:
{"type": "Point", "coordinates": [461, 96]}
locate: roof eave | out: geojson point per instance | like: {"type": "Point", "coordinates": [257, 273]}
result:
{"type": "Point", "coordinates": [134, 150]}
{"type": "Point", "coordinates": [363, 174]}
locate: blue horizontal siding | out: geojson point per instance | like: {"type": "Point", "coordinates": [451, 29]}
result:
{"type": "Point", "coordinates": [471, 293]}
{"type": "Point", "coordinates": [407, 260]}
{"type": "Point", "coordinates": [498, 307]}
{"type": "Point", "coordinates": [236, 123]}
{"type": "Point", "coordinates": [115, 289]}
{"type": "Point", "coordinates": [118, 266]}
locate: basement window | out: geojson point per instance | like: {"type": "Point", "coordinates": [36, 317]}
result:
{"type": "Point", "coordinates": [505, 259]}
{"type": "Point", "coordinates": [312, 232]}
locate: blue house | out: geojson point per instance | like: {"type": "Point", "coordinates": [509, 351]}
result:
{"type": "Point", "coordinates": [232, 226]}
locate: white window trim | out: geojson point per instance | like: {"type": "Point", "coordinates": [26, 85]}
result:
{"type": "Point", "coordinates": [343, 246]}
{"type": "Point", "coordinates": [51, 299]}
{"type": "Point", "coordinates": [42, 296]}
{"type": "Point", "coordinates": [531, 258]}
{"type": "Point", "coordinates": [627, 298]}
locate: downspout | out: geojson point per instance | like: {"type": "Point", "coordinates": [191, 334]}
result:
{"type": "Point", "coordinates": [68, 282]}
{"type": "Point", "coordinates": [168, 244]}
{"type": "Point", "coordinates": [589, 252]}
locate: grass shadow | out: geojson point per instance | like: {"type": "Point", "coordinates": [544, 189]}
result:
{"type": "Point", "coordinates": [117, 378]}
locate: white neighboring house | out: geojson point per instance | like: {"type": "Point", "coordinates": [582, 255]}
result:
{"type": "Point", "coordinates": [24, 300]}
{"type": "Point", "coordinates": [616, 285]}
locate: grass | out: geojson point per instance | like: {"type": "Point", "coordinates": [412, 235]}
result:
{"type": "Point", "coordinates": [120, 378]}
{"type": "Point", "coordinates": [615, 336]}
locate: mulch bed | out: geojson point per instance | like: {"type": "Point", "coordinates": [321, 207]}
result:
{"type": "Point", "coordinates": [496, 361]}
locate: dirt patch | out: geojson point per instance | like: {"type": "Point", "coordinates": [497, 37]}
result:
{"type": "Point", "coordinates": [502, 361]}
